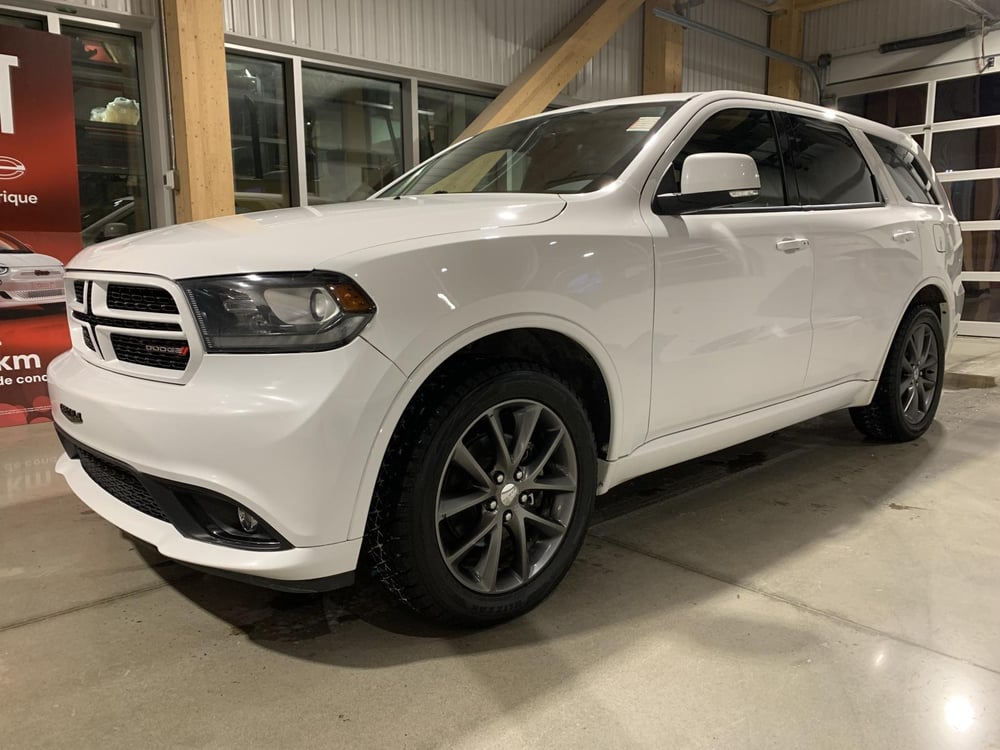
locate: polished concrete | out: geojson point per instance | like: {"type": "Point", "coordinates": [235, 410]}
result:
{"type": "Point", "coordinates": [805, 590]}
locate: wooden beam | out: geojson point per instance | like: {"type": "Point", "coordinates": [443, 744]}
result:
{"type": "Point", "coordinates": [662, 53]}
{"type": "Point", "coordinates": [542, 80]}
{"type": "Point", "coordinates": [199, 98]}
{"type": "Point", "coordinates": [786, 36]}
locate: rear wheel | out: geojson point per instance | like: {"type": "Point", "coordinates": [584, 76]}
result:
{"type": "Point", "coordinates": [909, 388]}
{"type": "Point", "coordinates": [483, 501]}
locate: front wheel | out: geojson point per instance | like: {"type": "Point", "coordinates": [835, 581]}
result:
{"type": "Point", "coordinates": [484, 498]}
{"type": "Point", "coordinates": [909, 388]}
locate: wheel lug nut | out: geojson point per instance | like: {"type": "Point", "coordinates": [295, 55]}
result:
{"type": "Point", "coordinates": [498, 477]}
{"type": "Point", "coordinates": [519, 475]}
{"type": "Point", "coordinates": [524, 498]}
{"type": "Point", "coordinates": [492, 505]}
{"type": "Point", "coordinates": [507, 516]}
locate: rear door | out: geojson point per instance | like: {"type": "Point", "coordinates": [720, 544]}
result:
{"type": "Point", "coordinates": [866, 250]}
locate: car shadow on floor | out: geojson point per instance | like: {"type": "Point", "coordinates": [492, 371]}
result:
{"type": "Point", "coordinates": [352, 627]}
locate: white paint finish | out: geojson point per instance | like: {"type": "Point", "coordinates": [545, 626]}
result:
{"type": "Point", "coordinates": [689, 319]}
{"type": "Point", "coordinates": [245, 243]}
{"type": "Point", "coordinates": [300, 563]}
{"type": "Point", "coordinates": [320, 414]}
{"type": "Point", "coordinates": [860, 25]}
{"type": "Point", "coordinates": [711, 63]}
{"type": "Point", "coordinates": [678, 447]}
{"type": "Point", "coordinates": [710, 362]}
{"type": "Point", "coordinates": [715, 173]}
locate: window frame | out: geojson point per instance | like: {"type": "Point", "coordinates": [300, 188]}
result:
{"type": "Point", "coordinates": [880, 194]}
{"type": "Point", "coordinates": [791, 192]}
{"type": "Point", "coordinates": [927, 178]}
{"type": "Point", "coordinates": [779, 118]}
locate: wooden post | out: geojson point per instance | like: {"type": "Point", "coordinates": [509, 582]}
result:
{"type": "Point", "coordinates": [786, 36]}
{"type": "Point", "coordinates": [662, 54]}
{"type": "Point", "coordinates": [554, 67]}
{"type": "Point", "coordinates": [199, 98]}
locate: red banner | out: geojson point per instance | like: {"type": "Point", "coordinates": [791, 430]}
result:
{"type": "Point", "coordinates": [39, 214]}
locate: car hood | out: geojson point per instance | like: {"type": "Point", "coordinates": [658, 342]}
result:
{"type": "Point", "coordinates": [28, 260]}
{"type": "Point", "coordinates": [301, 239]}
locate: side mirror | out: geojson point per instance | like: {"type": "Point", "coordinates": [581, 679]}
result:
{"type": "Point", "coordinates": [710, 181]}
{"type": "Point", "coordinates": [114, 230]}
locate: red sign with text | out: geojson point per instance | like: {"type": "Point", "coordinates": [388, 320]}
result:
{"type": "Point", "coordinates": [39, 215]}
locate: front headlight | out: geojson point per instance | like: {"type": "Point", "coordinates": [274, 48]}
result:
{"type": "Point", "coordinates": [293, 312]}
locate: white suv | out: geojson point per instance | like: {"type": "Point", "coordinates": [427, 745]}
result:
{"type": "Point", "coordinates": [446, 374]}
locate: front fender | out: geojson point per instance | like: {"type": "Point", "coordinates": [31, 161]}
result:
{"type": "Point", "coordinates": [432, 301]}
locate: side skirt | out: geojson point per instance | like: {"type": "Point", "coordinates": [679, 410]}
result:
{"type": "Point", "coordinates": [699, 441]}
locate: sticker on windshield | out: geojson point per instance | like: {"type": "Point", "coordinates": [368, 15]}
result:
{"type": "Point", "coordinates": [643, 124]}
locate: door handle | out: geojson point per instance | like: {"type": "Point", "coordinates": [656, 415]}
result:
{"type": "Point", "coordinates": [792, 244]}
{"type": "Point", "coordinates": [904, 235]}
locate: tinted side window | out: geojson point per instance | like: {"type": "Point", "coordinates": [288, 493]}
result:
{"type": "Point", "coordinates": [737, 131]}
{"type": "Point", "coordinates": [828, 167]}
{"type": "Point", "coordinates": [905, 170]}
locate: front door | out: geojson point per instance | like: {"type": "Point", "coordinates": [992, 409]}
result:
{"type": "Point", "coordinates": [732, 329]}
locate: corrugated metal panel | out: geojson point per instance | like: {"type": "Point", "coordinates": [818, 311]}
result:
{"type": "Point", "coordinates": [128, 7]}
{"type": "Point", "coordinates": [616, 70]}
{"type": "Point", "coordinates": [712, 63]}
{"type": "Point", "coordinates": [861, 25]}
{"type": "Point", "coordinates": [489, 41]}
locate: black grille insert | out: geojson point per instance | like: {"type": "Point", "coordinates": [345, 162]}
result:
{"type": "Point", "coordinates": [88, 341]}
{"type": "Point", "coordinates": [140, 299]}
{"type": "Point", "coordinates": [144, 325]}
{"type": "Point", "coordinates": [78, 291]}
{"type": "Point", "coordinates": [120, 484]}
{"type": "Point", "coordinates": [169, 354]}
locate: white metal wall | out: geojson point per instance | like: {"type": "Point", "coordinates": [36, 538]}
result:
{"type": "Point", "coordinates": [147, 8]}
{"type": "Point", "coordinates": [713, 63]}
{"type": "Point", "coordinates": [488, 41]}
{"type": "Point", "coordinates": [861, 25]}
{"type": "Point", "coordinates": [616, 70]}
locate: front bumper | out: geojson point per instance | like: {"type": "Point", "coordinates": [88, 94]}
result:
{"type": "Point", "coordinates": [16, 291]}
{"type": "Point", "coordinates": [285, 436]}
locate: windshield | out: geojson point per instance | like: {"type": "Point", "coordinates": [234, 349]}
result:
{"type": "Point", "coordinates": [8, 245]}
{"type": "Point", "coordinates": [570, 152]}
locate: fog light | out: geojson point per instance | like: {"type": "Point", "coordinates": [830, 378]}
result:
{"type": "Point", "coordinates": [248, 521]}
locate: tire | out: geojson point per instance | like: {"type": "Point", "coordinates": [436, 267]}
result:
{"type": "Point", "coordinates": [447, 535]}
{"type": "Point", "coordinates": [909, 388]}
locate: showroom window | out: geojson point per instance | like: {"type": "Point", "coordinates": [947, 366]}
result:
{"type": "Point", "coordinates": [895, 107]}
{"type": "Point", "coordinates": [965, 98]}
{"type": "Point", "coordinates": [960, 150]}
{"type": "Point", "coordinates": [24, 22]}
{"type": "Point", "coordinates": [109, 133]}
{"type": "Point", "coordinates": [975, 200]}
{"type": "Point", "coordinates": [353, 135]}
{"type": "Point", "coordinates": [738, 131]}
{"type": "Point", "coordinates": [829, 169]}
{"type": "Point", "coordinates": [259, 124]}
{"type": "Point", "coordinates": [444, 115]}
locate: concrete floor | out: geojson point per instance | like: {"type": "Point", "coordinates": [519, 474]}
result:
{"type": "Point", "coordinates": [805, 590]}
